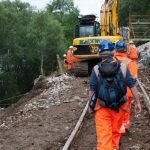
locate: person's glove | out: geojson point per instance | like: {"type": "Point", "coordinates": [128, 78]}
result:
{"type": "Point", "coordinates": [91, 106]}
{"type": "Point", "coordinates": [92, 103]}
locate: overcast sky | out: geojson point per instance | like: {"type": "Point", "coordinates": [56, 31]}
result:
{"type": "Point", "coordinates": [85, 6]}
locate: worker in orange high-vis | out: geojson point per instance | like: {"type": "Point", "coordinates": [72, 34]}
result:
{"type": "Point", "coordinates": [107, 97]}
{"type": "Point", "coordinates": [132, 52]}
{"type": "Point", "coordinates": [70, 58]}
{"type": "Point", "coordinates": [121, 54]}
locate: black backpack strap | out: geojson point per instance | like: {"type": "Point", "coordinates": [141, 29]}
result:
{"type": "Point", "coordinates": [121, 86]}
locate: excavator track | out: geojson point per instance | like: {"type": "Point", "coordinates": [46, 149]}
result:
{"type": "Point", "coordinates": [81, 69]}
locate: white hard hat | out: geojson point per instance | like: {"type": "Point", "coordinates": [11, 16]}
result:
{"type": "Point", "coordinates": [131, 42]}
{"type": "Point", "coordinates": [71, 47]}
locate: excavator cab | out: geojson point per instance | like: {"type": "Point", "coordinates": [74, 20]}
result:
{"type": "Point", "coordinates": [87, 26]}
{"type": "Point", "coordinates": [85, 44]}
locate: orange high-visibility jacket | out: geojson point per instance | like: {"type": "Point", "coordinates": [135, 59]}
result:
{"type": "Point", "coordinates": [131, 65]}
{"type": "Point", "coordinates": [132, 52]}
{"type": "Point", "coordinates": [69, 56]}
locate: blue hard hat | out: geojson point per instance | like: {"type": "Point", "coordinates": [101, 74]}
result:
{"type": "Point", "coordinates": [120, 45]}
{"type": "Point", "coordinates": [106, 45]}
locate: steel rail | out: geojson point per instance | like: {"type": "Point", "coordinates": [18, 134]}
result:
{"type": "Point", "coordinates": [76, 129]}
{"type": "Point", "coordinates": [146, 97]}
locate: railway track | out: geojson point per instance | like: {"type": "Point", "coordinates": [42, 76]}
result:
{"type": "Point", "coordinates": [83, 137]}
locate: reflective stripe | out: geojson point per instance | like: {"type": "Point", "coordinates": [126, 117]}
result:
{"type": "Point", "coordinates": [133, 54]}
{"type": "Point", "coordinates": [124, 69]}
{"type": "Point", "coordinates": [96, 71]}
{"type": "Point", "coordinates": [124, 66]}
{"type": "Point", "coordinates": [127, 61]}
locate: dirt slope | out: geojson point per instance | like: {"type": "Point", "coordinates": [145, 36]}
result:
{"type": "Point", "coordinates": [44, 118]}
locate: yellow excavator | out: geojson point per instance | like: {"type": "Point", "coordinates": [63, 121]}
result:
{"type": "Point", "coordinates": [89, 33]}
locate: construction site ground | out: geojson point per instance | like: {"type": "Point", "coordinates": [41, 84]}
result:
{"type": "Point", "coordinates": [44, 118]}
{"type": "Point", "coordinates": [138, 136]}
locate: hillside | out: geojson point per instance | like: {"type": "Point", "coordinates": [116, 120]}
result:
{"type": "Point", "coordinates": [36, 122]}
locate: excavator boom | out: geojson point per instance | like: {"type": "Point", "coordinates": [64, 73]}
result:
{"type": "Point", "coordinates": [109, 18]}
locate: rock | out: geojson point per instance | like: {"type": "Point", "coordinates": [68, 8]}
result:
{"type": "Point", "coordinates": [2, 125]}
{"type": "Point", "coordinates": [66, 101]}
{"type": "Point", "coordinates": [77, 98]}
{"type": "Point", "coordinates": [67, 128]}
{"type": "Point", "coordinates": [130, 139]}
{"type": "Point", "coordinates": [135, 147]}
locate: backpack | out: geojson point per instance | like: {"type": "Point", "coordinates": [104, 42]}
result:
{"type": "Point", "coordinates": [112, 87]}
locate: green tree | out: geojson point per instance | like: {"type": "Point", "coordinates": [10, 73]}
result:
{"type": "Point", "coordinates": [66, 13]}
{"type": "Point", "coordinates": [137, 7]}
{"type": "Point", "coordinates": [29, 42]}
{"type": "Point", "coordinates": [14, 19]}
{"type": "Point", "coordinates": [46, 35]}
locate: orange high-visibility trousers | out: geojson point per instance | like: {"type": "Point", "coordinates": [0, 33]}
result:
{"type": "Point", "coordinates": [108, 123]}
{"type": "Point", "coordinates": [69, 66]}
{"type": "Point", "coordinates": [126, 120]}
{"type": "Point", "coordinates": [133, 68]}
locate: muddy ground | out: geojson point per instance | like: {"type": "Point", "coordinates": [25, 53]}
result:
{"type": "Point", "coordinates": [45, 117]}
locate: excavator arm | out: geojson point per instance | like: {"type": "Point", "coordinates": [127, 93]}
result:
{"type": "Point", "coordinates": [109, 18]}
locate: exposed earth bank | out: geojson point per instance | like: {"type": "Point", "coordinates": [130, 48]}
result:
{"type": "Point", "coordinates": [45, 117]}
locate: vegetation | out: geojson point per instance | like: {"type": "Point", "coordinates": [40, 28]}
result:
{"type": "Point", "coordinates": [29, 42]}
{"type": "Point", "coordinates": [135, 7]}
{"type": "Point", "coordinates": [141, 11]}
